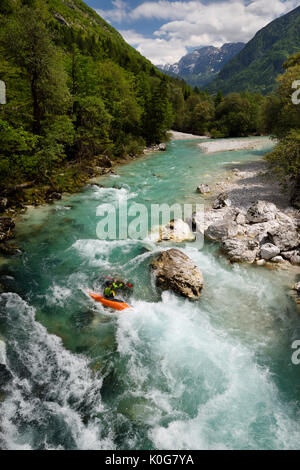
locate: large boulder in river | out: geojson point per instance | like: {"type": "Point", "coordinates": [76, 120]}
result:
{"type": "Point", "coordinates": [177, 272]}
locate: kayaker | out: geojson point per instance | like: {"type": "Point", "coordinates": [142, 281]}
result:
{"type": "Point", "coordinates": [117, 284]}
{"type": "Point", "coordinates": [109, 293]}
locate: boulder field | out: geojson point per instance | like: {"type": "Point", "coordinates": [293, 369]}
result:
{"type": "Point", "coordinates": [261, 233]}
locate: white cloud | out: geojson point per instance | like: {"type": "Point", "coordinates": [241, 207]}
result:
{"type": "Point", "coordinates": [193, 23]}
{"type": "Point", "coordinates": [158, 50]}
{"type": "Point", "coordinates": [118, 13]}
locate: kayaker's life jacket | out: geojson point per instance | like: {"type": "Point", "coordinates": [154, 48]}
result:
{"type": "Point", "coordinates": [108, 292]}
{"type": "Point", "coordinates": [117, 286]}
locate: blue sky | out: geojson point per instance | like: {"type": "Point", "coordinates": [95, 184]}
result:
{"type": "Point", "coordinates": [165, 30]}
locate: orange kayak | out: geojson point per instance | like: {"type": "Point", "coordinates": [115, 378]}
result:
{"type": "Point", "coordinates": [115, 304]}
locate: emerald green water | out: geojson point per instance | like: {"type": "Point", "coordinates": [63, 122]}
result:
{"type": "Point", "coordinates": [167, 374]}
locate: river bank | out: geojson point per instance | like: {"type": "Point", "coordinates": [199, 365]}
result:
{"type": "Point", "coordinates": [231, 145]}
{"type": "Point", "coordinates": [175, 135]}
{"type": "Point", "coordinates": [70, 179]}
{"type": "Point", "coordinates": [250, 215]}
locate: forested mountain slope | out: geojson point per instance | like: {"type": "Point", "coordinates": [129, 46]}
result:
{"type": "Point", "coordinates": [75, 91]}
{"type": "Point", "coordinates": [256, 67]}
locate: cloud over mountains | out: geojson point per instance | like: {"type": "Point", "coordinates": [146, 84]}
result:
{"type": "Point", "coordinates": [186, 24]}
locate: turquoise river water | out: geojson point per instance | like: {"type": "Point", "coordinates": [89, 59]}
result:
{"type": "Point", "coordinates": [166, 374]}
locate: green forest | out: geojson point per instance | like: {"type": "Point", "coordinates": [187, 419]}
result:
{"type": "Point", "coordinates": [77, 92]}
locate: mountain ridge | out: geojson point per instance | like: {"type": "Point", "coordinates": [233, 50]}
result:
{"type": "Point", "coordinates": [257, 65]}
{"type": "Point", "coordinates": [200, 66]}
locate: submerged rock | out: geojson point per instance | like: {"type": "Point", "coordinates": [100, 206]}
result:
{"type": "Point", "coordinates": [177, 272]}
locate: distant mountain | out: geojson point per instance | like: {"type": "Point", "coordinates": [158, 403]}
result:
{"type": "Point", "coordinates": [202, 65]}
{"type": "Point", "coordinates": [256, 67]}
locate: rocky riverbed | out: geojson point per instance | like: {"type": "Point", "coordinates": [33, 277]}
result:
{"type": "Point", "coordinates": [250, 216]}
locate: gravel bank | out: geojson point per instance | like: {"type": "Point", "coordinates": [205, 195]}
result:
{"type": "Point", "coordinates": [229, 145]}
{"type": "Point", "coordinates": [174, 135]}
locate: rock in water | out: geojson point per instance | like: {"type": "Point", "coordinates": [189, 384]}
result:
{"type": "Point", "coordinates": [203, 189]}
{"type": "Point", "coordinates": [177, 272]}
{"type": "Point", "coordinates": [162, 147]}
{"type": "Point", "coordinates": [176, 231]}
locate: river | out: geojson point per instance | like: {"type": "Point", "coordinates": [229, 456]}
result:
{"type": "Point", "coordinates": [167, 374]}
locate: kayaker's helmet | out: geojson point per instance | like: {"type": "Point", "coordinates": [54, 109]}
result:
{"type": "Point", "coordinates": [107, 284]}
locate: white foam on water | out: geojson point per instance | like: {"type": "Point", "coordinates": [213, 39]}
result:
{"type": "Point", "coordinates": [65, 381]}
{"type": "Point", "coordinates": [98, 252]}
{"type": "Point", "coordinates": [110, 194]}
{"type": "Point", "coordinates": [57, 295]}
{"type": "Point", "coordinates": [205, 388]}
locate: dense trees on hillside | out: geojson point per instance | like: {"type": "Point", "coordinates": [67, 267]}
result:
{"type": "Point", "coordinates": [77, 91]}
{"type": "Point", "coordinates": [72, 94]}
{"type": "Point", "coordinates": [282, 118]}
